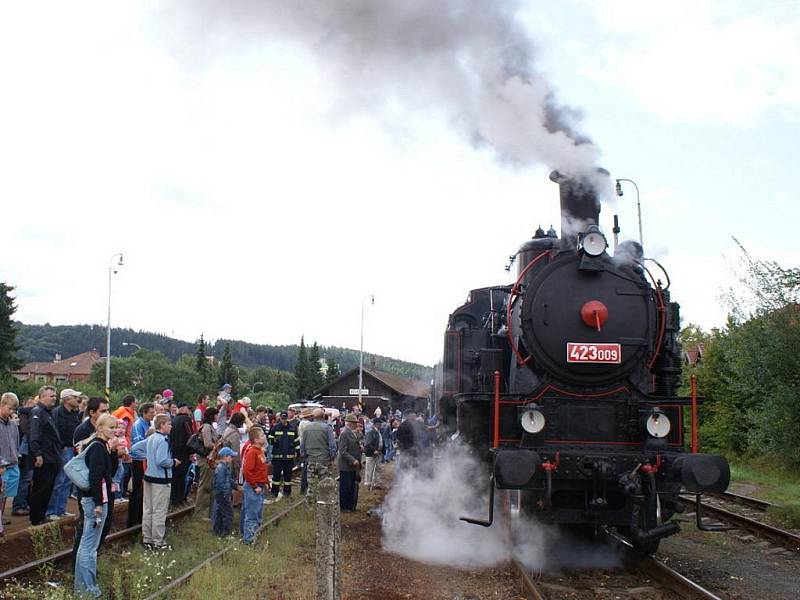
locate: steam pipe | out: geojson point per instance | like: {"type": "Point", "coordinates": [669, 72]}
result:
{"type": "Point", "coordinates": [487, 523]}
{"type": "Point", "coordinates": [496, 416]}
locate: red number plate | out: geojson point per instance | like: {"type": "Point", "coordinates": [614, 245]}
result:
{"type": "Point", "coordinates": [594, 353]}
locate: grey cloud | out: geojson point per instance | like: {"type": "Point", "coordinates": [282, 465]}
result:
{"type": "Point", "coordinates": [468, 60]}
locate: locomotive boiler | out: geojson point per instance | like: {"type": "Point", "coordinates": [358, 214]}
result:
{"type": "Point", "coordinates": [565, 382]}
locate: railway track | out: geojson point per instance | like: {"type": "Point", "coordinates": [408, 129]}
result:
{"type": "Point", "coordinates": [65, 555]}
{"type": "Point", "coordinates": [182, 579]}
{"type": "Point", "coordinates": [116, 536]}
{"type": "Point", "coordinates": [636, 578]}
{"type": "Point", "coordinates": [777, 536]}
{"type": "Point", "coordinates": [747, 501]}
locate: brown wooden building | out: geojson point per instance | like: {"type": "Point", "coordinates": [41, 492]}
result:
{"type": "Point", "coordinates": [380, 389]}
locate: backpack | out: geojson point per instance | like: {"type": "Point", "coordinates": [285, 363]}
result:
{"type": "Point", "coordinates": [77, 470]}
{"type": "Point", "coordinates": [196, 446]}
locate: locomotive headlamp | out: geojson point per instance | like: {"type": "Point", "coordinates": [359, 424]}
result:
{"type": "Point", "coordinates": [594, 242]}
{"type": "Point", "coordinates": [532, 420]}
{"type": "Point", "coordinates": [657, 424]}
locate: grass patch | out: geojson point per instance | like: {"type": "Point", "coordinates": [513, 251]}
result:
{"type": "Point", "coordinates": [128, 572]}
{"type": "Point", "coordinates": [775, 484]}
{"type": "Point", "coordinates": [279, 565]}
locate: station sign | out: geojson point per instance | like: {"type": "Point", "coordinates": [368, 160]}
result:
{"type": "Point", "coordinates": [355, 392]}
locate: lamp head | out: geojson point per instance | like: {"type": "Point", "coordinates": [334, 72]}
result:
{"type": "Point", "coordinates": [619, 188]}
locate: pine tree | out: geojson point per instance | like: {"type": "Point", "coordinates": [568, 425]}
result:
{"type": "Point", "coordinates": [8, 333]}
{"type": "Point", "coordinates": [301, 371]}
{"type": "Point", "coordinates": [334, 372]}
{"type": "Point", "coordinates": [227, 372]}
{"type": "Point", "coordinates": [201, 362]}
{"type": "Point", "coordinates": [315, 377]}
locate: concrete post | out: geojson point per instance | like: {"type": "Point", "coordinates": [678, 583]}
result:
{"type": "Point", "coordinates": [329, 534]}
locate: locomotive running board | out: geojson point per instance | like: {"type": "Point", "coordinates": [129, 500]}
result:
{"type": "Point", "coordinates": [491, 508]}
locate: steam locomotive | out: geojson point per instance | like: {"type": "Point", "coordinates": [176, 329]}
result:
{"type": "Point", "coordinates": [564, 383]}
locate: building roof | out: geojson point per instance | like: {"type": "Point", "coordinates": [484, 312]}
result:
{"type": "Point", "coordinates": [403, 386]}
{"type": "Point", "coordinates": [80, 364]}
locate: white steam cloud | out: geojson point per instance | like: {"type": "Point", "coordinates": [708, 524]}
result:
{"type": "Point", "coordinates": [468, 60]}
{"type": "Point", "coordinates": [421, 521]}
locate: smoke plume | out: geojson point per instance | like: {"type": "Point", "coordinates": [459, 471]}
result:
{"type": "Point", "coordinates": [469, 61]}
{"type": "Point", "coordinates": [421, 520]}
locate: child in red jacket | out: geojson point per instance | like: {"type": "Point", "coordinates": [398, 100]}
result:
{"type": "Point", "coordinates": [254, 471]}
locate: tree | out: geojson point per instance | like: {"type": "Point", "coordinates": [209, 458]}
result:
{"type": "Point", "coordinates": [334, 372]}
{"type": "Point", "coordinates": [201, 359]}
{"type": "Point", "coordinates": [750, 372]}
{"type": "Point", "coordinates": [8, 332]}
{"type": "Point", "coordinates": [227, 372]}
{"type": "Point", "coordinates": [301, 371]}
{"type": "Point", "coordinates": [315, 377]}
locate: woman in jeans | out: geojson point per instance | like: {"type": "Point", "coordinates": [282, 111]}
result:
{"type": "Point", "coordinates": [94, 505]}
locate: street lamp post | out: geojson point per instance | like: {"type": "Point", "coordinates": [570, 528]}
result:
{"type": "Point", "coordinates": [638, 204]}
{"type": "Point", "coordinates": [361, 353]}
{"type": "Point", "coordinates": [112, 269]}
{"type": "Point", "coordinates": [254, 386]}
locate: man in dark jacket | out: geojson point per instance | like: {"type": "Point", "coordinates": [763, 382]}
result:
{"type": "Point", "coordinates": [182, 429]}
{"type": "Point", "coordinates": [349, 463]}
{"type": "Point", "coordinates": [67, 418]}
{"type": "Point", "coordinates": [285, 445]}
{"type": "Point", "coordinates": [45, 453]}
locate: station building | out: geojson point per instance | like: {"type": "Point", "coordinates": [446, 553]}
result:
{"type": "Point", "coordinates": [382, 389]}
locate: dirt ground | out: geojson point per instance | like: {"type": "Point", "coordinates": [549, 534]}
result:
{"type": "Point", "coordinates": [369, 573]}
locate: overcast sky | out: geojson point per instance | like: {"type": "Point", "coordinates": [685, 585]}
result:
{"type": "Point", "coordinates": [260, 184]}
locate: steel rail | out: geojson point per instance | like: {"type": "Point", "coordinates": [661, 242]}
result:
{"type": "Point", "coordinates": [194, 570]}
{"type": "Point", "coordinates": [529, 589]}
{"type": "Point", "coordinates": [671, 579]}
{"type": "Point", "coordinates": [67, 553]}
{"type": "Point", "coordinates": [787, 539]}
{"type": "Point", "coordinates": [747, 501]}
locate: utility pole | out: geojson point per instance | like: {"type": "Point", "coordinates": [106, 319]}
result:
{"type": "Point", "coordinates": [112, 269]}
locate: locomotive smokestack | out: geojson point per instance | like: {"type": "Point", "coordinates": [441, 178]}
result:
{"type": "Point", "coordinates": [580, 206]}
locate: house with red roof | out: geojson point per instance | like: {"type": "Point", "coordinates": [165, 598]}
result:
{"type": "Point", "coordinates": [60, 371]}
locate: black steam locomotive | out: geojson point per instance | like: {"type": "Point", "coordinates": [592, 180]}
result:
{"type": "Point", "coordinates": [565, 383]}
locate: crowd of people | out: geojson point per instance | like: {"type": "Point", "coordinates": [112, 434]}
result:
{"type": "Point", "coordinates": [150, 456]}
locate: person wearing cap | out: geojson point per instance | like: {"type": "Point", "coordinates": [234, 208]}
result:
{"type": "Point", "coordinates": [45, 454]}
{"type": "Point", "coordinates": [318, 449]}
{"type": "Point", "coordinates": [223, 406]}
{"type": "Point", "coordinates": [285, 446]}
{"type": "Point", "coordinates": [348, 463]}
{"type": "Point", "coordinates": [182, 430]}
{"type": "Point", "coordinates": [373, 449]}
{"type": "Point", "coordinates": [242, 406]}
{"type": "Point", "coordinates": [224, 484]}
{"type": "Point", "coordinates": [306, 417]}
{"type": "Point", "coordinates": [67, 418]}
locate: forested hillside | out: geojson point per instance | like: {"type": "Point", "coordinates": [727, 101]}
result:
{"type": "Point", "coordinates": [43, 342]}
